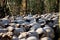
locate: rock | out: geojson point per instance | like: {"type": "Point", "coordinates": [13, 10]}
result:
{"type": "Point", "coordinates": [15, 38]}
{"type": "Point", "coordinates": [45, 38]}
{"type": "Point", "coordinates": [32, 38]}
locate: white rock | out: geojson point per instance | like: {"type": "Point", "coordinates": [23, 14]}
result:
{"type": "Point", "coordinates": [15, 38]}
{"type": "Point", "coordinates": [40, 30]}
{"type": "Point", "coordinates": [23, 35]}
{"type": "Point", "coordinates": [10, 28]}
{"type": "Point", "coordinates": [45, 38]}
{"type": "Point", "coordinates": [32, 38]}
{"type": "Point", "coordinates": [22, 39]}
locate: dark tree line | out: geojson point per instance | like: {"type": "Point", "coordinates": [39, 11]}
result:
{"type": "Point", "coordinates": [15, 7]}
{"type": "Point", "coordinates": [4, 10]}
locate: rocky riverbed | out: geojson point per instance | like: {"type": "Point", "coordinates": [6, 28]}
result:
{"type": "Point", "coordinates": [30, 27]}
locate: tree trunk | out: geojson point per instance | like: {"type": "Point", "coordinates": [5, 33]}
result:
{"type": "Point", "coordinates": [23, 7]}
